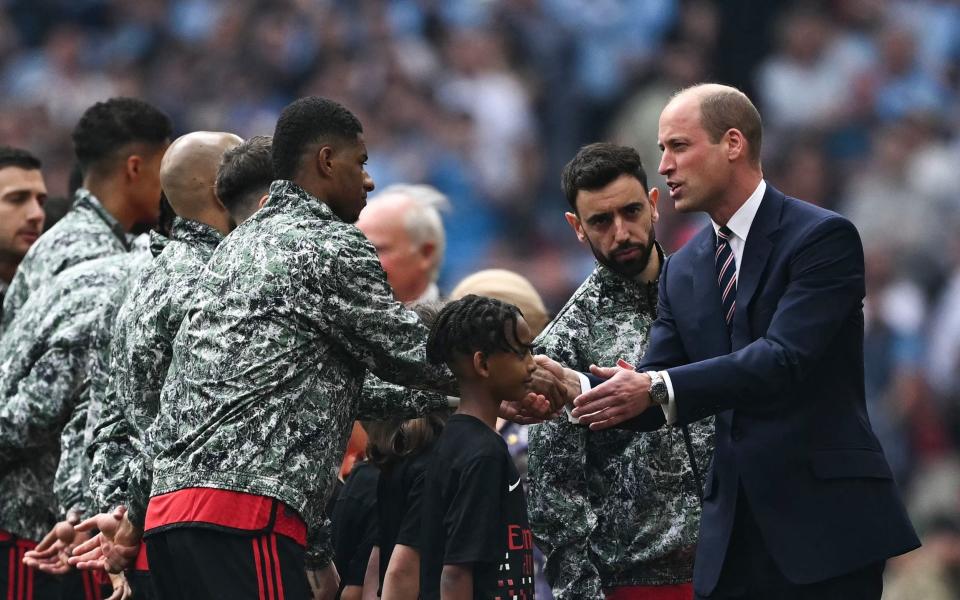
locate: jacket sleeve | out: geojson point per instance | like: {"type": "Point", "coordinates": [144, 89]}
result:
{"type": "Point", "coordinates": [70, 482]}
{"type": "Point", "coordinates": [359, 311]}
{"type": "Point", "coordinates": [826, 285]}
{"type": "Point", "coordinates": [111, 456]}
{"type": "Point", "coordinates": [381, 400]}
{"type": "Point", "coordinates": [40, 402]}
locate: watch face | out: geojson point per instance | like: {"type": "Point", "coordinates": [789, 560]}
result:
{"type": "Point", "coordinates": [658, 392]}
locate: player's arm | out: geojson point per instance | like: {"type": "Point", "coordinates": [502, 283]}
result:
{"type": "Point", "coordinates": [456, 582]}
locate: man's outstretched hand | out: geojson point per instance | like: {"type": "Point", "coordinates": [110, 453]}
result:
{"type": "Point", "coordinates": [113, 549]}
{"type": "Point", "coordinates": [624, 395]}
{"type": "Point", "coordinates": [552, 387]}
{"type": "Point", "coordinates": [53, 551]}
{"type": "Point", "coordinates": [563, 383]}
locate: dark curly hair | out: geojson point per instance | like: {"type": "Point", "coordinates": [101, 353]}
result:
{"type": "Point", "coordinates": [597, 165]}
{"type": "Point", "coordinates": [107, 126]}
{"type": "Point", "coordinates": [307, 121]}
{"type": "Point", "coordinates": [474, 324]}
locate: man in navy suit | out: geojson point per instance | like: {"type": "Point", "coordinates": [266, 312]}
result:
{"type": "Point", "coordinates": [760, 323]}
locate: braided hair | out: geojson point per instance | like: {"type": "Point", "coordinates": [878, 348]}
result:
{"type": "Point", "coordinates": [473, 324]}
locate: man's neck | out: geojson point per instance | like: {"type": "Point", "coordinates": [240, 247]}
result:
{"type": "Point", "coordinates": [114, 201]}
{"type": "Point", "coordinates": [652, 271]}
{"type": "Point", "coordinates": [739, 191]}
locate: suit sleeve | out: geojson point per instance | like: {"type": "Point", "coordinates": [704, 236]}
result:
{"type": "Point", "coordinates": [826, 285]}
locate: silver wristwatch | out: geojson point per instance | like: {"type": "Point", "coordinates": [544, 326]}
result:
{"type": "Point", "coordinates": [658, 388]}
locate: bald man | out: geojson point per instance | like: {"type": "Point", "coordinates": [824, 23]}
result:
{"type": "Point", "coordinates": [213, 181]}
{"type": "Point", "coordinates": [760, 322]}
{"type": "Point", "coordinates": [403, 223]}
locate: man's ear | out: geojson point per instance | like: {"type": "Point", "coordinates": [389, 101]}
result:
{"type": "Point", "coordinates": [574, 222]}
{"type": "Point", "coordinates": [134, 166]}
{"type": "Point", "coordinates": [428, 250]}
{"type": "Point", "coordinates": [736, 144]}
{"type": "Point", "coordinates": [654, 196]}
{"type": "Point", "coordinates": [480, 364]}
{"type": "Point", "coordinates": [262, 201]}
{"type": "Point", "coordinates": [324, 158]}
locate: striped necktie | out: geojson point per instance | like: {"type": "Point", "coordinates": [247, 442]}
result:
{"type": "Point", "coordinates": [726, 274]}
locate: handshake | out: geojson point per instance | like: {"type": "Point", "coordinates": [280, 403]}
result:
{"type": "Point", "coordinates": [623, 395]}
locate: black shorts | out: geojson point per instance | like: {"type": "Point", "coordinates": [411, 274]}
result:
{"type": "Point", "coordinates": [19, 582]}
{"type": "Point", "coordinates": [141, 584]}
{"type": "Point", "coordinates": [198, 563]}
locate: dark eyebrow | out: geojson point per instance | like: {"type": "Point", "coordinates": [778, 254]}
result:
{"type": "Point", "coordinates": [596, 216]}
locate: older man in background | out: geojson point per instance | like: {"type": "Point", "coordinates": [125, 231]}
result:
{"type": "Point", "coordinates": [403, 223]}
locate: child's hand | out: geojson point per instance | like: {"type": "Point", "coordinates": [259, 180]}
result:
{"type": "Point", "coordinates": [533, 409]}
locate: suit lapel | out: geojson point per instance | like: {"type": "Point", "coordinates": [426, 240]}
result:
{"type": "Point", "coordinates": [756, 253]}
{"type": "Point", "coordinates": [715, 339]}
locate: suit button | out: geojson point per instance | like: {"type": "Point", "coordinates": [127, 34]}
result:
{"type": "Point", "coordinates": [736, 433]}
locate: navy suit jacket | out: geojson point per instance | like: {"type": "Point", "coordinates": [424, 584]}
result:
{"type": "Point", "coordinates": [787, 387]}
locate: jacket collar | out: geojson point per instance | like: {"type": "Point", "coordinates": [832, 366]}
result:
{"type": "Point", "coordinates": [285, 194]}
{"type": "Point", "coordinates": [623, 290]}
{"type": "Point", "coordinates": [195, 233]}
{"type": "Point", "coordinates": [84, 200]}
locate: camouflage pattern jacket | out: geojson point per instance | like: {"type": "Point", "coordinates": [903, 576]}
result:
{"type": "Point", "coordinates": [611, 508]}
{"type": "Point", "coordinates": [267, 368]}
{"type": "Point", "coordinates": [127, 393]}
{"type": "Point", "coordinates": [44, 364]}
{"type": "Point", "coordinates": [86, 232]}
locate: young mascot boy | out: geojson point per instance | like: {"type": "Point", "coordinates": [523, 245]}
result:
{"type": "Point", "coordinates": [476, 540]}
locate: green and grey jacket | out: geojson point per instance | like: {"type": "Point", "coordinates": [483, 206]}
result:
{"type": "Point", "coordinates": [86, 232]}
{"type": "Point", "coordinates": [44, 365]}
{"type": "Point", "coordinates": [611, 508]}
{"type": "Point", "coordinates": [267, 368]}
{"type": "Point", "coordinates": [126, 394]}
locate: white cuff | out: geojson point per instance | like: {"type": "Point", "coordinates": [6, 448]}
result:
{"type": "Point", "coordinates": [453, 402]}
{"type": "Point", "coordinates": [584, 383]}
{"type": "Point", "coordinates": [584, 388]}
{"type": "Point", "coordinates": [670, 408]}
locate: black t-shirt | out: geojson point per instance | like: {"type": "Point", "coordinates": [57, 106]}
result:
{"type": "Point", "coordinates": [399, 493]}
{"type": "Point", "coordinates": [354, 522]}
{"type": "Point", "coordinates": [474, 511]}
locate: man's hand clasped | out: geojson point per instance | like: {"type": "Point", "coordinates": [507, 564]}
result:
{"type": "Point", "coordinates": [551, 388]}
{"type": "Point", "coordinates": [624, 395]}
{"type": "Point", "coordinates": [53, 551]}
{"type": "Point", "coordinates": [114, 548]}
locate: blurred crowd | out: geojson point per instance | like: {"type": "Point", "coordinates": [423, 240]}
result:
{"type": "Point", "coordinates": [486, 99]}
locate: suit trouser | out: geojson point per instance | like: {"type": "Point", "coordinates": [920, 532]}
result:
{"type": "Point", "coordinates": [749, 572]}
{"type": "Point", "coordinates": [195, 563]}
